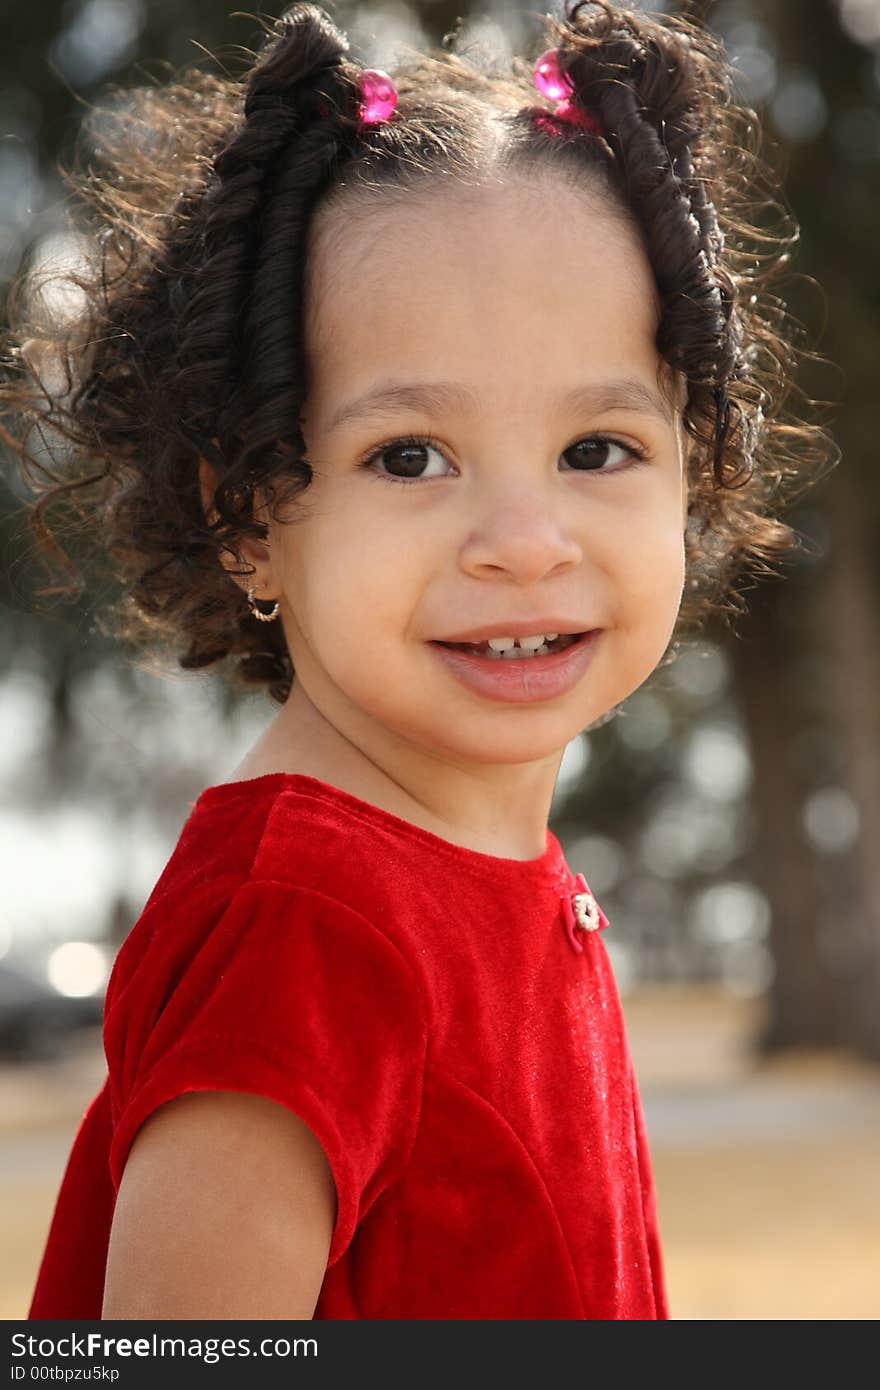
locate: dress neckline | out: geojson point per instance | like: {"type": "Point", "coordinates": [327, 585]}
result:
{"type": "Point", "coordinates": [551, 862]}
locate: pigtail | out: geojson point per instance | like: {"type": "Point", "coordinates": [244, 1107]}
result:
{"type": "Point", "coordinates": [241, 338]}
{"type": "Point", "coordinates": [274, 370]}
{"type": "Point", "coordinates": [650, 91]}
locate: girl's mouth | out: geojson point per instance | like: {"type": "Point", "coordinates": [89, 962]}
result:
{"type": "Point", "coordinates": [516, 675]}
{"type": "Point", "coordinates": [511, 648]}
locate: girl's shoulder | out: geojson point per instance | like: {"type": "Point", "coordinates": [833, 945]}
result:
{"type": "Point", "coordinates": [288, 827]}
{"type": "Point", "coordinates": [279, 838]}
{"type": "Point", "coordinates": [276, 828]}
{"type": "Point", "coordinates": [257, 902]}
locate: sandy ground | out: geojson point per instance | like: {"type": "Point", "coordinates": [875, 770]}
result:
{"type": "Point", "coordinates": [766, 1176]}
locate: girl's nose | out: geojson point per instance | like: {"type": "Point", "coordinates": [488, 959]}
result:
{"type": "Point", "coordinates": [525, 540]}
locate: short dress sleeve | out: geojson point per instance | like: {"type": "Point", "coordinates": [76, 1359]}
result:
{"type": "Point", "coordinates": [287, 993]}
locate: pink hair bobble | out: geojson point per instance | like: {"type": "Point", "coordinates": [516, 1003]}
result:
{"type": "Point", "coordinates": [556, 85]}
{"type": "Point", "coordinates": [378, 96]}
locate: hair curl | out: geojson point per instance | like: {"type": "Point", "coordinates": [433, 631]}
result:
{"type": "Point", "coordinates": [182, 345]}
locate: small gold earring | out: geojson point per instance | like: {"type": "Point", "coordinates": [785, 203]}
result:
{"type": "Point", "coordinates": [263, 617]}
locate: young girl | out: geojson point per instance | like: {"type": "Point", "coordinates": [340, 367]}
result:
{"type": "Point", "coordinates": [437, 405]}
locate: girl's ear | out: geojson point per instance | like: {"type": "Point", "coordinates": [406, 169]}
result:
{"type": "Point", "coordinates": [251, 549]}
{"type": "Point", "coordinates": [208, 486]}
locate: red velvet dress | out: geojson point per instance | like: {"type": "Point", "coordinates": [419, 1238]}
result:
{"type": "Point", "coordinates": [437, 1016]}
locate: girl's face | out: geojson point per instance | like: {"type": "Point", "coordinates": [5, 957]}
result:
{"type": "Point", "coordinates": [525, 502]}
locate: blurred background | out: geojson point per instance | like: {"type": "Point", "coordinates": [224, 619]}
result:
{"type": "Point", "coordinates": [728, 819]}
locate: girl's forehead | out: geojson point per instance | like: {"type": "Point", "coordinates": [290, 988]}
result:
{"type": "Point", "coordinates": [418, 235]}
{"type": "Point", "coordinates": [521, 271]}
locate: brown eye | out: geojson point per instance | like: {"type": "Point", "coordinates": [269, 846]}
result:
{"type": "Point", "coordinates": [406, 460]}
{"type": "Point", "coordinates": [600, 454]}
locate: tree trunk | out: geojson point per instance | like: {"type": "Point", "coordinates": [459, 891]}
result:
{"type": "Point", "coordinates": [851, 647]}
{"type": "Point", "coordinates": [803, 995]}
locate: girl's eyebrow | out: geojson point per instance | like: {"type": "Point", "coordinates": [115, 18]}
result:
{"type": "Point", "coordinates": [625, 393]}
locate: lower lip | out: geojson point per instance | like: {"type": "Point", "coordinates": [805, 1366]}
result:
{"type": "Point", "coordinates": [521, 679]}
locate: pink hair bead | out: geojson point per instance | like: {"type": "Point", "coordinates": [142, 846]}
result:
{"type": "Point", "coordinates": [550, 81]}
{"type": "Point", "coordinates": [378, 96]}
{"type": "Point", "coordinates": [556, 85]}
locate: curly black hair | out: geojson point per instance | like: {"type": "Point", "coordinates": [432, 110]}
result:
{"type": "Point", "coordinates": [187, 343]}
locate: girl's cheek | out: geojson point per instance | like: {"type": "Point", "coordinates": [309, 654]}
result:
{"type": "Point", "coordinates": [651, 570]}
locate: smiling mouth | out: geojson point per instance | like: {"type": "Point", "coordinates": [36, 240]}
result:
{"type": "Point", "coordinates": [515, 652]}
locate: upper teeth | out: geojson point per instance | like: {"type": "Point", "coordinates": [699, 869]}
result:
{"type": "Point", "coordinates": [530, 644]}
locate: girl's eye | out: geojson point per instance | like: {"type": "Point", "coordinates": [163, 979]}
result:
{"type": "Point", "coordinates": [589, 455]}
{"type": "Point", "coordinates": [409, 459]}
